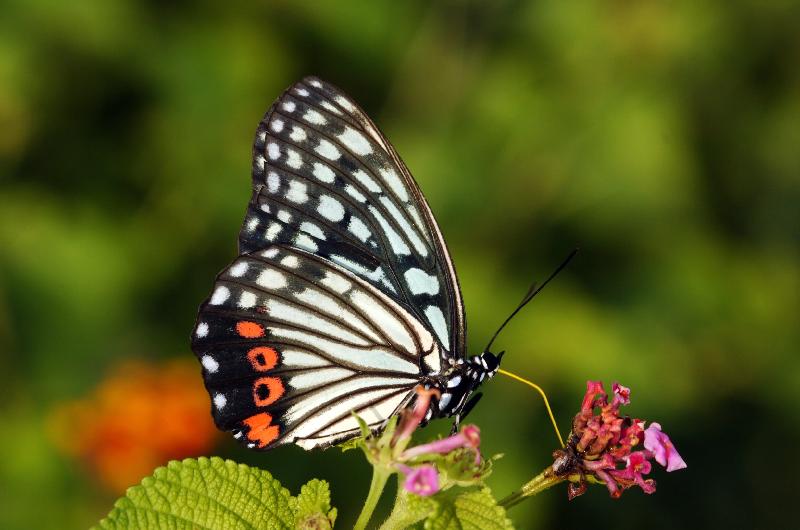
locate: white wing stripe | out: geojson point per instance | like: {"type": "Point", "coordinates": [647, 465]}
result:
{"type": "Point", "coordinates": [312, 424]}
{"type": "Point", "coordinates": [302, 317]}
{"type": "Point", "coordinates": [311, 402]}
{"type": "Point", "coordinates": [313, 378]}
{"type": "Point", "coordinates": [369, 358]}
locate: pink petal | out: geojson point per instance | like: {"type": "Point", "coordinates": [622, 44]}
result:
{"type": "Point", "coordinates": [622, 394]}
{"type": "Point", "coordinates": [592, 389]}
{"type": "Point", "coordinates": [422, 480]}
{"type": "Point", "coordinates": [656, 441]}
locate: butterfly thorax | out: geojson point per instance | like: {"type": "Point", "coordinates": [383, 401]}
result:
{"type": "Point", "coordinates": [461, 379]}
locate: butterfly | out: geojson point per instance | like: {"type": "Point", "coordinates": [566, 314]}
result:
{"type": "Point", "coordinates": [343, 298]}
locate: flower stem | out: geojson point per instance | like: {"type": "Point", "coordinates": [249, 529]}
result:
{"type": "Point", "coordinates": [379, 477]}
{"type": "Point", "coordinates": [544, 480]}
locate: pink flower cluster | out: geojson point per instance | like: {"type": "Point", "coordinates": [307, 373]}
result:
{"type": "Point", "coordinates": [609, 446]}
{"type": "Point", "coordinates": [423, 479]}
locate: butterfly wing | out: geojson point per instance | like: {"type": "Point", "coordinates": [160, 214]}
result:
{"type": "Point", "coordinates": [344, 296]}
{"type": "Point", "coordinates": [291, 343]}
{"type": "Point", "coordinates": [326, 180]}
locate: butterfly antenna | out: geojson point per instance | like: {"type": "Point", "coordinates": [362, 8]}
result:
{"type": "Point", "coordinates": [544, 397]}
{"type": "Point", "coordinates": [532, 291]}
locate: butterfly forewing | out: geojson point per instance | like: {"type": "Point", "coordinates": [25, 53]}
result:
{"type": "Point", "coordinates": [291, 343]}
{"type": "Point", "coordinates": [327, 181]}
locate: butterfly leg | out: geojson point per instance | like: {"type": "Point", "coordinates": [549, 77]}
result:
{"type": "Point", "coordinates": [464, 411]}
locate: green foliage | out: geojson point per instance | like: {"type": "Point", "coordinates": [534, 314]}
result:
{"type": "Point", "coordinates": [454, 509]}
{"type": "Point", "coordinates": [451, 510]}
{"type": "Point", "coordinates": [219, 494]}
{"type": "Point", "coordinates": [474, 510]}
{"type": "Point", "coordinates": [409, 509]}
{"type": "Point", "coordinates": [313, 506]}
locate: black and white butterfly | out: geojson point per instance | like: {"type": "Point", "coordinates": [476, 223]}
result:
{"type": "Point", "coordinates": [343, 298]}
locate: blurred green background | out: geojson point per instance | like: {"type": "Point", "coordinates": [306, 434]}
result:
{"type": "Point", "coordinates": [662, 138]}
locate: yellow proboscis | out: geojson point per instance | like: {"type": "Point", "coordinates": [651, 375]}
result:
{"type": "Point", "coordinates": [544, 397]}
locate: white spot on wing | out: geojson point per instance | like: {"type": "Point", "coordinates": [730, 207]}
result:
{"type": "Point", "coordinates": [345, 103]}
{"type": "Point", "coordinates": [328, 150]}
{"type": "Point", "coordinates": [330, 208]}
{"type": "Point", "coordinates": [399, 246]}
{"type": "Point", "coordinates": [355, 141]}
{"type": "Point", "coordinates": [271, 279]}
{"type": "Point", "coordinates": [354, 193]}
{"type": "Point", "coordinates": [284, 216]}
{"type": "Point", "coordinates": [327, 106]}
{"type": "Point", "coordinates": [221, 294]}
{"type": "Point", "coordinates": [310, 228]}
{"type": "Point", "coordinates": [247, 300]}
{"type": "Point", "coordinates": [390, 177]}
{"type": "Point", "coordinates": [272, 231]}
{"type": "Point", "coordinates": [420, 282]}
{"type": "Point", "coordinates": [238, 269]}
{"type": "Point", "coordinates": [314, 117]}
{"type": "Point", "coordinates": [273, 182]}
{"type": "Point", "coordinates": [323, 172]}
{"type": "Point", "coordinates": [293, 159]}
{"type": "Point", "coordinates": [436, 319]}
{"type": "Point", "coordinates": [405, 226]}
{"type": "Point", "coordinates": [210, 364]}
{"type": "Point", "coordinates": [297, 192]}
{"type": "Point", "coordinates": [252, 224]}
{"type": "Point", "coordinates": [298, 134]}
{"type": "Point", "coordinates": [301, 92]}
{"type": "Point", "coordinates": [306, 243]}
{"type": "Point", "coordinates": [276, 125]}
{"type": "Point", "coordinates": [273, 151]}
{"type": "Point", "coordinates": [220, 401]}
{"type": "Point", "coordinates": [290, 261]}
{"type": "Point", "coordinates": [366, 180]}
{"type": "Point", "coordinates": [359, 229]}
{"type": "Point", "coordinates": [260, 161]}
{"type": "Point", "coordinates": [289, 106]}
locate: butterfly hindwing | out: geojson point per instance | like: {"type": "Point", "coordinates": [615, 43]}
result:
{"type": "Point", "coordinates": [327, 181]}
{"type": "Point", "coordinates": [291, 343]}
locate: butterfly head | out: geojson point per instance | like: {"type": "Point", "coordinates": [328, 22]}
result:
{"type": "Point", "coordinates": [490, 362]}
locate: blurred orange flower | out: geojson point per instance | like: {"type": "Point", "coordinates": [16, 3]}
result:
{"type": "Point", "coordinates": [137, 419]}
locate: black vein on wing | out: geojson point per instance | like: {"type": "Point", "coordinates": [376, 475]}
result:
{"type": "Point", "coordinates": [365, 164]}
{"type": "Point", "coordinates": [321, 287]}
{"type": "Point", "coordinates": [349, 179]}
{"type": "Point", "coordinates": [356, 411]}
{"type": "Point", "coordinates": [294, 424]}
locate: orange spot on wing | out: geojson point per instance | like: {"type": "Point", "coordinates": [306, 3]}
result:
{"type": "Point", "coordinates": [263, 358]}
{"type": "Point", "coordinates": [274, 390]}
{"type": "Point", "coordinates": [249, 330]}
{"type": "Point", "coordinates": [261, 432]}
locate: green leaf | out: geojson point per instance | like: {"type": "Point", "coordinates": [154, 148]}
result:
{"type": "Point", "coordinates": [204, 493]}
{"type": "Point", "coordinates": [313, 506]}
{"type": "Point", "coordinates": [408, 510]}
{"type": "Point", "coordinates": [472, 510]}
